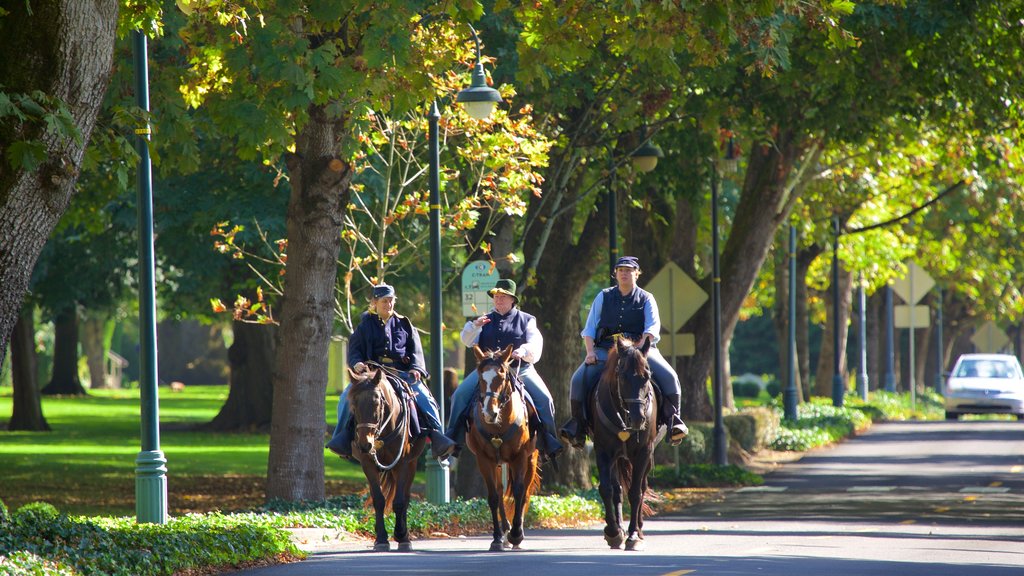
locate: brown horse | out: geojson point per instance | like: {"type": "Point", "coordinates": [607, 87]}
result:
{"type": "Point", "coordinates": [500, 434]}
{"type": "Point", "coordinates": [385, 450]}
{"type": "Point", "coordinates": [624, 408]}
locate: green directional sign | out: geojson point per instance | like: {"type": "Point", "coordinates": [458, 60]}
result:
{"type": "Point", "coordinates": [478, 277]}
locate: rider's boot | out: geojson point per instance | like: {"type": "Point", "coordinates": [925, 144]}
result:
{"type": "Point", "coordinates": [677, 430]}
{"type": "Point", "coordinates": [441, 446]}
{"type": "Point", "coordinates": [341, 442]}
{"type": "Point", "coordinates": [574, 432]}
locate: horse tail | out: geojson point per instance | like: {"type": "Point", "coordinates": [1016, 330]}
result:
{"type": "Point", "coordinates": [389, 487]}
{"type": "Point", "coordinates": [532, 479]}
{"type": "Point", "coordinates": [625, 470]}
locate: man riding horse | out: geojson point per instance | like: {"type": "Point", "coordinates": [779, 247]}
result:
{"type": "Point", "coordinates": [389, 339]}
{"type": "Point", "coordinates": [632, 312]}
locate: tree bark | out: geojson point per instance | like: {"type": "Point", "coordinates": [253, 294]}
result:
{"type": "Point", "coordinates": [92, 346]}
{"type": "Point", "coordinates": [556, 309]}
{"type": "Point", "coordinates": [251, 393]}
{"type": "Point", "coordinates": [765, 203]}
{"type": "Point", "coordinates": [64, 380]}
{"type": "Point", "coordinates": [27, 411]}
{"type": "Point", "coordinates": [64, 48]}
{"type": "Point", "coordinates": [319, 193]}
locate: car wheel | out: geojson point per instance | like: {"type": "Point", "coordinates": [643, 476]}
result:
{"type": "Point", "coordinates": [952, 415]}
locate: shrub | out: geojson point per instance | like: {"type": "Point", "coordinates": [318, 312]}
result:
{"type": "Point", "coordinates": [745, 389]}
{"type": "Point", "coordinates": [753, 428]}
{"type": "Point", "coordinates": [773, 389]}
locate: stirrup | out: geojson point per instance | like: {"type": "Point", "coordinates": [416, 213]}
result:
{"type": "Point", "coordinates": [677, 436]}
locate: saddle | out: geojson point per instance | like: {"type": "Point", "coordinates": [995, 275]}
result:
{"type": "Point", "coordinates": [406, 396]}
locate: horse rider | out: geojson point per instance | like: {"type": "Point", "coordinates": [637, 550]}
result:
{"type": "Point", "coordinates": [631, 312]}
{"type": "Point", "coordinates": [387, 338]}
{"type": "Point", "coordinates": [506, 324]}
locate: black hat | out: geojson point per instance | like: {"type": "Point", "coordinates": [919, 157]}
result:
{"type": "Point", "coordinates": [627, 262]}
{"type": "Point", "coordinates": [505, 286]}
{"type": "Point", "coordinates": [383, 291]}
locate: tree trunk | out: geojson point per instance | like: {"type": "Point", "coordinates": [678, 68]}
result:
{"type": "Point", "coordinates": [556, 309]}
{"type": "Point", "coordinates": [804, 259]}
{"type": "Point", "coordinates": [320, 190]}
{"type": "Point", "coordinates": [826, 360]}
{"type": "Point", "coordinates": [765, 203]}
{"type": "Point", "coordinates": [875, 339]}
{"type": "Point", "coordinates": [780, 318]}
{"type": "Point", "coordinates": [64, 380]}
{"type": "Point", "coordinates": [65, 50]}
{"type": "Point", "coordinates": [250, 396]}
{"type": "Point", "coordinates": [92, 346]}
{"type": "Point", "coordinates": [27, 411]}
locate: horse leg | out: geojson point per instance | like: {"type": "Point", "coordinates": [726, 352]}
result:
{"type": "Point", "coordinates": [523, 475]}
{"type": "Point", "coordinates": [489, 470]}
{"type": "Point", "coordinates": [637, 491]}
{"type": "Point", "coordinates": [403, 487]}
{"type": "Point", "coordinates": [377, 495]}
{"type": "Point", "coordinates": [607, 487]}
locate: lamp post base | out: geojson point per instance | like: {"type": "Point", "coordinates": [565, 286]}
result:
{"type": "Point", "coordinates": [151, 487]}
{"type": "Point", "coordinates": [438, 486]}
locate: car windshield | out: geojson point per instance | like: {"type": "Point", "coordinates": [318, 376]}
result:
{"type": "Point", "coordinates": [987, 368]}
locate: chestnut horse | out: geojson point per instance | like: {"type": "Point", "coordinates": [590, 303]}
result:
{"type": "Point", "coordinates": [499, 433]}
{"type": "Point", "coordinates": [624, 408]}
{"type": "Point", "coordinates": [385, 450]}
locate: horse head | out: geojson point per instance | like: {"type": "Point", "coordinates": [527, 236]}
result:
{"type": "Point", "coordinates": [368, 402]}
{"type": "Point", "coordinates": [495, 383]}
{"type": "Point", "coordinates": [633, 382]}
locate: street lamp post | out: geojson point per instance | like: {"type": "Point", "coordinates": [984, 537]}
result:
{"type": "Point", "coordinates": [479, 100]}
{"type": "Point", "coordinates": [150, 465]}
{"type": "Point", "coordinates": [720, 452]}
{"type": "Point", "coordinates": [789, 397]}
{"type": "Point", "coordinates": [837, 378]}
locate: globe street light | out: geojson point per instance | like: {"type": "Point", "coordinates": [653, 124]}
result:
{"type": "Point", "coordinates": [480, 100]}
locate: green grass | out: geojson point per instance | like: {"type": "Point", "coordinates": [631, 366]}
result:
{"type": "Point", "coordinates": [95, 439]}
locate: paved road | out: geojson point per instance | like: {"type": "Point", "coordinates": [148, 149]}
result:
{"type": "Point", "coordinates": [915, 499]}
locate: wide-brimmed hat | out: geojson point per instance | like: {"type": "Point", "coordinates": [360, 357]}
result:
{"type": "Point", "coordinates": [505, 286]}
{"type": "Point", "coordinates": [383, 291]}
{"type": "Point", "coordinates": [627, 262]}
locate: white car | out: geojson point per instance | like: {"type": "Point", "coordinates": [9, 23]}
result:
{"type": "Point", "coordinates": [985, 384]}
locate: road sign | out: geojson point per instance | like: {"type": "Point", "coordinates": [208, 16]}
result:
{"type": "Point", "coordinates": [901, 316]}
{"type": "Point", "coordinates": [914, 286]}
{"type": "Point", "coordinates": [990, 338]}
{"type": "Point", "coordinates": [677, 345]}
{"type": "Point", "coordinates": [478, 277]}
{"type": "Point", "coordinates": [678, 296]}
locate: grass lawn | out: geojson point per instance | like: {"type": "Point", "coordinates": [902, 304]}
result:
{"type": "Point", "coordinates": [86, 464]}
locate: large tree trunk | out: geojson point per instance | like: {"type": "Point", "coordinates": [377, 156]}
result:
{"type": "Point", "coordinates": [556, 309]}
{"type": "Point", "coordinates": [62, 48]}
{"type": "Point", "coordinates": [320, 190]}
{"type": "Point", "coordinates": [28, 411]}
{"type": "Point", "coordinates": [764, 205]}
{"type": "Point", "coordinates": [64, 380]}
{"type": "Point", "coordinates": [826, 360]}
{"type": "Point", "coordinates": [804, 259]}
{"type": "Point", "coordinates": [93, 348]}
{"type": "Point", "coordinates": [874, 339]}
{"type": "Point", "coordinates": [250, 397]}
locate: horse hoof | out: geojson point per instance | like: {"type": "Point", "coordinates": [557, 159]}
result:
{"type": "Point", "coordinates": [405, 546]}
{"type": "Point", "coordinates": [614, 541]}
{"type": "Point", "coordinates": [635, 544]}
{"type": "Point", "coordinates": [497, 546]}
{"type": "Point", "coordinates": [382, 547]}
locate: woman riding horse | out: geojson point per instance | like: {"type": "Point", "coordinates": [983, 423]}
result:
{"type": "Point", "coordinates": [389, 339]}
{"type": "Point", "coordinates": [624, 432]}
{"type": "Point", "coordinates": [385, 449]}
{"type": "Point", "coordinates": [506, 325]}
{"type": "Point", "coordinates": [500, 434]}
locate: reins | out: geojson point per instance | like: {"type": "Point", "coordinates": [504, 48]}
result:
{"type": "Point", "coordinates": [401, 428]}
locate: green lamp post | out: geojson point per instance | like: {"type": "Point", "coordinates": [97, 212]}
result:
{"type": "Point", "coordinates": [479, 100]}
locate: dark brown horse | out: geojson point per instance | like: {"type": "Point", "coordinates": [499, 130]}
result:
{"type": "Point", "coordinates": [385, 450]}
{"type": "Point", "coordinates": [624, 408]}
{"type": "Point", "coordinates": [499, 433]}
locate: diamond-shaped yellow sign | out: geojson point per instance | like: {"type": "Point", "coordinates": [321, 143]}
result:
{"type": "Point", "coordinates": [678, 296]}
{"type": "Point", "coordinates": [990, 338]}
{"type": "Point", "coordinates": [916, 284]}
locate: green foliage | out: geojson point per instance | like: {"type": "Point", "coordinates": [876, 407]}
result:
{"type": "Point", "coordinates": [41, 537]}
{"type": "Point", "coordinates": [893, 406]}
{"type": "Point", "coordinates": [819, 423]}
{"type": "Point", "coordinates": [753, 428]}
{"type": "Point", "coordinates": [49, 116]}
{"type": "Point", "coordinates": [773, 388]}
{"type": "Point", "coordinates": [704, 476]}
{"type": "Point", "coordinates": [745, 389]}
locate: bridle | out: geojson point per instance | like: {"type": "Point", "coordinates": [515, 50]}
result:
{"type": "Point", "coordinates": [383, 418]}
